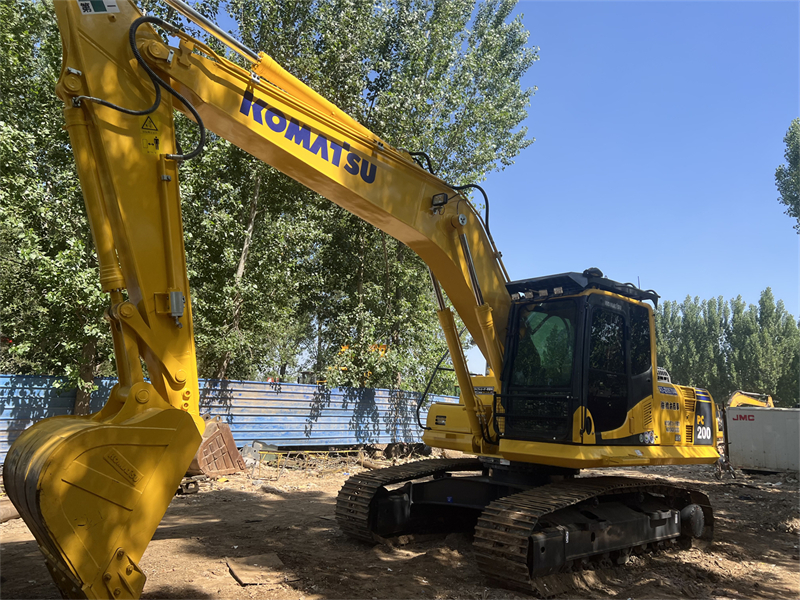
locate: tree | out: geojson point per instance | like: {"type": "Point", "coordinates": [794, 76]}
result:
{"type": "Point", "coordinates": [280, 277]}
{"type": "Point", "coordinates": [691, 341]}
{"type": "Point", "coordinates": [422, 76]}
{"type": "Point", "coordinates": [728, 346]}
{"type": "Point", "coordinates": [764, 343]}
{"type": "Point", "coordinates": [249, 261]}
{"type": "Point", "coordinates": [787, 177]}
{"type": "Point", "coordinates": [51, 306]}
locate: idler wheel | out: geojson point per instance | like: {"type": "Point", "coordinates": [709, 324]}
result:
{"type": "Point", "coordinates": [692, 521]}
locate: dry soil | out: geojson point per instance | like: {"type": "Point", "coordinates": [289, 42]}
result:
{"type": "Point", "coordinates": [290, 513]}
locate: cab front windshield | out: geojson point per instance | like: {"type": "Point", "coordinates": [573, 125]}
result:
{"type": "Point", "coordinates": [546, 347]}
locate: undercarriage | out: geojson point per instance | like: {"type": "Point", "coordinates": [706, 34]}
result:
{"type": "Point", "coordinates": [533, 525]}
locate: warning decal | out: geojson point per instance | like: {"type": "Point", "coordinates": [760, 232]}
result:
{"type": "Point", "coordinates": [151, 141]}
{"type": "Point", "coordinates": [149, 125]}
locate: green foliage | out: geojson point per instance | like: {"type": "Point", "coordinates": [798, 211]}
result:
{"type": "Point", "coordinates": [436, 76]}
{"type": "Point", "coordinates": [249, 264]}
{"type": "Point", "coordinates": [51, 307]}
{"type": "Point", "coordinates": [787, 177]}
{"type": "Point", "coordinates": [725, 347]}
{"type": "Point", "coordinates": [282, 280]}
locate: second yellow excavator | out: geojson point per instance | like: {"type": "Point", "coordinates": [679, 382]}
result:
{"type": "Point", "coordinates": [572, 380]}
{"type": "Point", "coordinates": [740, 398]}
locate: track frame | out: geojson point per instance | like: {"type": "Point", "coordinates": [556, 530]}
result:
{"type": "Point", "coordinates": [532, 535]}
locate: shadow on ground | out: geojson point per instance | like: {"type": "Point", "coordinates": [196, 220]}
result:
{"type": "Point", "coordinates": [187, 556]}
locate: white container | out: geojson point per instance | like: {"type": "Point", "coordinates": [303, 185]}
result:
{"type": "Point", "coordinates": [766, 439]}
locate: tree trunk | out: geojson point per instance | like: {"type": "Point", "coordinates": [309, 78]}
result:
{"type": "Point", "coordinates": [86, 374]}
{"type": "Point", "coordinates": [387, 292]}
{"type": "Point", "coordinates": [361, 259]}
{"type": "Point", "coordinates": [224, 362]}
{"type": "Point", "coordinates": [318, 362]}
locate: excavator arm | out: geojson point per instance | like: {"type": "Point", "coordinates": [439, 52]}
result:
{"type": "Point", "coordinates": [93, 488]}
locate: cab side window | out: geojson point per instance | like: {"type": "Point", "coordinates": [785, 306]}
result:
{"type": "Point", "coordinates": [608, 379]}
{"type": "Point", "coordinates": [641, 360]}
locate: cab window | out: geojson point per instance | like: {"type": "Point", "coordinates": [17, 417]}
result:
{"type": "Point", "coordinates": [607, 398]}
{"type": "Point", "coordinates": [641, 360]}
{"type": "Point", "coordinates": [545, 354]}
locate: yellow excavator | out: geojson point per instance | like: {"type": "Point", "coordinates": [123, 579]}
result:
{"type": "Point", "coordinates": [740, 398]}
{"type": "Point", "coordinates": [572, 378]}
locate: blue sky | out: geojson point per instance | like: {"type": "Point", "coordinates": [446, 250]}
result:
{"type": "Point", "coordinates": [658, 129]}
{"type": "Point", "coordinates": [658, 126]}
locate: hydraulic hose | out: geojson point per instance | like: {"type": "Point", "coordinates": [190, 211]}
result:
{"type": "Point", "coordinates": [158, 83]}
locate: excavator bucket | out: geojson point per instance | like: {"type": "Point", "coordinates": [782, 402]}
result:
{"type": "Point", "coordinates": [217, 454]}
{"type": "Point", "coordinates": [93, 490]}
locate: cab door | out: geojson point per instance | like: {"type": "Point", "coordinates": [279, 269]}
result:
{"type": "Point", "coordinates": [606, 379]}
{"type": "Point", "coordinates": [619, 363]}
{"type": "Point", "coordinates": [642, 367]}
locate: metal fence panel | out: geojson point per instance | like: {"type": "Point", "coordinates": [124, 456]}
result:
{"type": "Point", "coordinates": [287, 415]}
{"type": "Point", "coordinates": [298, 415]}
{"type": "Point", "coordinates": [26, 399]}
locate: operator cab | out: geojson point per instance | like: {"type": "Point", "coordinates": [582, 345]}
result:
{"type": "Point", "coordinates": [576, 340]}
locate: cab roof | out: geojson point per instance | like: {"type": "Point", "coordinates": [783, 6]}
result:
{"type": "Point", "coordinates": [568, 284]}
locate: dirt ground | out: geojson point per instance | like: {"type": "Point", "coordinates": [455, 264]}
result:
{"type": "Point", "coordinates": [290, 513]}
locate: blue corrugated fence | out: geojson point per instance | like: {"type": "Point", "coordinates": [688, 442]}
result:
{"type": "Point", "coordinates": [287, 415]}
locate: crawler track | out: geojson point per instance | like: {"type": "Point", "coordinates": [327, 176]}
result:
{"type": "Point", "coordinates": [506, 526]}
{"type": "Point", "coordinates": [504, 529]}
{"type": "Point", "coordinates": [353, 502]}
